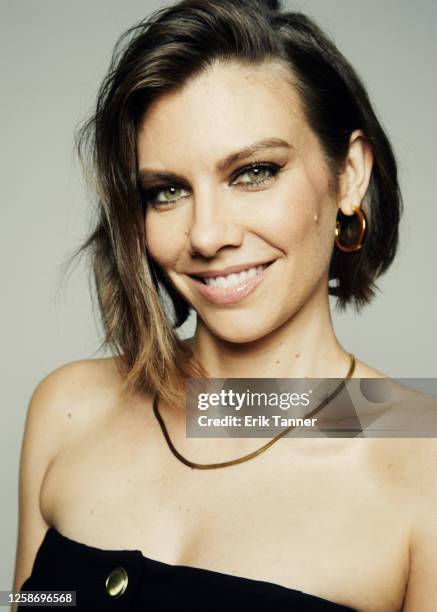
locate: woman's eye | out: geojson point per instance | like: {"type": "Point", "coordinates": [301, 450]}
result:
{"type": "Point", "coordinates": [164, 195]}
{"type": "Point", "coordinates": [257, 174]}
{"type": "Point", "coordinates": [251, 176]}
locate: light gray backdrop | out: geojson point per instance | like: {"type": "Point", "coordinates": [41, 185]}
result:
{"type": "Point", "coordinates": [53, 56]}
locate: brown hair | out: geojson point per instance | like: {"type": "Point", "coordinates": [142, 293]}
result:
{"type": "Point", "coordinates": [159, 54]}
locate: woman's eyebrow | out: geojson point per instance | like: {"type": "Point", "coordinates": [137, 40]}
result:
{"type": "Point", "coordinates": [261, 145]}
{"type": "Point", "coordinates": [146, 174]}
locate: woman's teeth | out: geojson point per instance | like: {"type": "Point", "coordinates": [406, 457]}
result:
{"type": "Point", "coordinates": [234, 279]}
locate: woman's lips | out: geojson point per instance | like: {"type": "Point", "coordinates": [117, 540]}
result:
{"type": "Point", "coordinates": [229, 295]}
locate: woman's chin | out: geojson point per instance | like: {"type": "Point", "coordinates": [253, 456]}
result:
{"type": "Point", "coordinates": [239, 333]}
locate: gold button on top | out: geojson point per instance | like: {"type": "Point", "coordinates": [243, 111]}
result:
{"type": "Point", "coordinates": [116, 582]}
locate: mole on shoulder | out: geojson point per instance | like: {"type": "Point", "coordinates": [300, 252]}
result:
{"type": "Point", "coordinates": [69, 415]}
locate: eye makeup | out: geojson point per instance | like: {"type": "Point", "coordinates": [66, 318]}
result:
{"type": "Point", "coordinates": [150, 193]}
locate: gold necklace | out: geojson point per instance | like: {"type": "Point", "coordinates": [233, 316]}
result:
{"type": "Point", "coordinates": [211, 466]}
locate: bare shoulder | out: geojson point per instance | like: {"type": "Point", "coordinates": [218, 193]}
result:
{"type": "Point", "coordinates": [405, 470]}
{"type": "Point", "coordinates": [421, 591]}
{"type": "Point", "coordinates": [65, 393]}
{"type": "Point", "coordinates": [420, 459]}
{"type": "Point", "coordinates": [62, 407]}
{"type": "Point", "coordinates": [78, 392]}
{"type": "Point", "coordinates": [84, 376]}
{"type": "Point", "coordinates": [363, 370]}
{"type": "Point", "coordinates": [81, 375]}
{"type": "Point", "coordinates": [394, 406]}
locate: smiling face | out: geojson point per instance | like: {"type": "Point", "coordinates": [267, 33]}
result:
{"type": "Point", "coordinates": [234, 177]}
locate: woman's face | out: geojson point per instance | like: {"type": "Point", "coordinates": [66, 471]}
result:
{"type": "Point", "coordinates": [234, 177]}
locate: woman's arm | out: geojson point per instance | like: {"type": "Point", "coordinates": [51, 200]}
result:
{"type": "Point", "coordinates": [43, 436]}
{"type": "Point", "coordinates": [421, 595]}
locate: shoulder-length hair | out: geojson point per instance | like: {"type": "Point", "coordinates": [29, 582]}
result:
{"type": "Point", "coordinates": [140, 309]}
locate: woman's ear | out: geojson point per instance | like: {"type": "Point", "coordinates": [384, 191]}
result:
{"type": "Point", "coordinates": [355, 176]}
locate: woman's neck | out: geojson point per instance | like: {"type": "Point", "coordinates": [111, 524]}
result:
{"type": "Point", "coordinates": [304, 346]}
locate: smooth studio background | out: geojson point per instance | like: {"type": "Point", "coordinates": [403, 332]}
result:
{"type": "Point", "coordinates": [53, 56]}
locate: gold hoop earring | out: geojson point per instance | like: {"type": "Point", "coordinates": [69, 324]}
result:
{"type": "Point", "coordinates": [360, 239]}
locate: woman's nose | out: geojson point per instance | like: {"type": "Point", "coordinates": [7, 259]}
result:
{"type": "Point", "coordinates": [213, 224]}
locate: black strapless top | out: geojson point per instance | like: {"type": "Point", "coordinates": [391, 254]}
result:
{"type": "Point", "coordinates": [141, 584]}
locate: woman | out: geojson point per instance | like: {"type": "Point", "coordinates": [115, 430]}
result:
{"type": "Point", "coordinates": [241, 172]}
